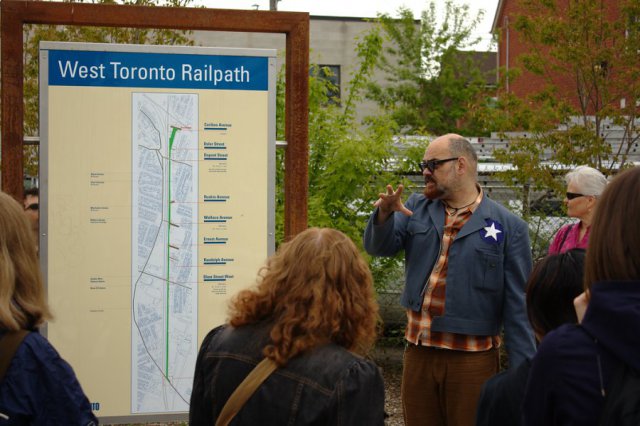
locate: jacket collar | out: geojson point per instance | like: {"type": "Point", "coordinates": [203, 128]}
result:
{"type": "Point", "coordinates": [476, 222]}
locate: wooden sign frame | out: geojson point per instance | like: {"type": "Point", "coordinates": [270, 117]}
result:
{"type": "Point", "coordinates": [295, 25]}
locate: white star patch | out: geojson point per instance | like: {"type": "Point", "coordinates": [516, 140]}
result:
{"type": "Point", "coordinates": [492, 231]}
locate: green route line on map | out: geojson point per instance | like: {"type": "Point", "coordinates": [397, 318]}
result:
{"type": "Point", "coordinates": [174, 130]}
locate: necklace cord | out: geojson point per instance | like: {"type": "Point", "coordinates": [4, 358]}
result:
{"type": "Point", "coordinates": [455, 209]}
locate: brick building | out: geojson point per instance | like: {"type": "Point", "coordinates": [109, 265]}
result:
{"type": "Point", "coordinates": [511, 47]}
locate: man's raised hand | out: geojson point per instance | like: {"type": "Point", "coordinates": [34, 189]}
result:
{"type": "Point", "coordinates": [390, 202]}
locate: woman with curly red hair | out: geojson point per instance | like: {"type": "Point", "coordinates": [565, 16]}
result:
{"type": "Point", "coordinates": [313, 313]}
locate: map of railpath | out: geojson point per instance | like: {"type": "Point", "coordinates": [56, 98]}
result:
{"type": "Point", "coordinates": [164, 250]}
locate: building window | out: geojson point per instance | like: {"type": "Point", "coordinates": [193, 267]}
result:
{"type": "Point", "coordinates": [330, 73]}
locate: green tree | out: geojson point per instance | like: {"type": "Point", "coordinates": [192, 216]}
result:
{"type": "Point", "coordinates": [431, 88]}
{"type": "Point", "coordinates": [587, 58]}
{"type": "Point", "coordinates": [348, 164]}
{"type": "Point", "coordinates": [591, 69]}
{"type": "Point", "coordinates": [33, 34]}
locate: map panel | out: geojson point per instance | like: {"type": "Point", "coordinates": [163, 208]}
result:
{"type": "Point", "coordinates": [164, 250]}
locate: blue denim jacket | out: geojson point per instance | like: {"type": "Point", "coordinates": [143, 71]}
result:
{"type": "Point", "coordinates": [486, 275]}
{"type": "Point", "coordinates": [327, 386]}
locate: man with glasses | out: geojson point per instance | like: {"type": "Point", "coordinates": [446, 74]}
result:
{"type": "Point", "coordinates": [467, 261]}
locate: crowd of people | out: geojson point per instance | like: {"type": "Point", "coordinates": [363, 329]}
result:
{"type": "Point", "coordinates": [294, 349]}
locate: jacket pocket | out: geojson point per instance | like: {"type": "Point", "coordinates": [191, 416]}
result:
{"type": "Point", "coordinates": [421, 242]}
{"type": "Point", "coordinates": [415, 228]}
{"type": "Point", "coordinates": [491, 273]}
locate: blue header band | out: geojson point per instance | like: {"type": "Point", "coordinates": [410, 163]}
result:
{"type": "Point", "coordinates": [160, 70]}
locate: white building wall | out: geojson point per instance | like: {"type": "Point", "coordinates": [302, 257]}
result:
{"type": "Point", "coordinates": [332, 41]}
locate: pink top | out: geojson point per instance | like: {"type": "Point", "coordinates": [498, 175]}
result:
{"type": "Point", "coordinates": [568, 237]}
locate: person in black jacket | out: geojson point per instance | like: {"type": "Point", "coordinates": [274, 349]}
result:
{"type": "Point", "coordinates": [554, 283]}
{"type": "Point", "coordinates": [312, 312]}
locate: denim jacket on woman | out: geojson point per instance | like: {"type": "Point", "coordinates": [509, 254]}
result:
{"type": "Point", "coordinates": [326, 386]}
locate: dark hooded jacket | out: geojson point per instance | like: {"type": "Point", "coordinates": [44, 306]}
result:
{"type": "Point", "coordinates": [326, 386]}
{"type": "Point", "coordinates": [572, 369]}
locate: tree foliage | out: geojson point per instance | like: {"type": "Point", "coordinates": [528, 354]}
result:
{"type": "Point", "coordinates": [431, 87]}
{"type": "Point", "coordinates": [349, 164]}
{"type": "Point", "coordinates": [587, 55]}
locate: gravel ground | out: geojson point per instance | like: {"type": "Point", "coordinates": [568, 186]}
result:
{"type": "Point", "coordinates": [390, 361]}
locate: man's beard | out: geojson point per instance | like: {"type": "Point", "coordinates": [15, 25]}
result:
{"type": "Point", "coordinates": [432, 190]}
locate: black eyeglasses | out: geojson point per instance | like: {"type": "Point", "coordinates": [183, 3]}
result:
{"type": "Point", "coordinates": [431, 165]}
{"type": "Point", "coordinates": [572, 195]}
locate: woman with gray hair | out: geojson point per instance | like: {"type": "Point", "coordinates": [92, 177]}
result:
{"type": "Point", "coordinates": [584, 186]}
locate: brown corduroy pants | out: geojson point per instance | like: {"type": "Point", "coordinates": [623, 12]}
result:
{"type": "Point", "coordinates": [441, 387]}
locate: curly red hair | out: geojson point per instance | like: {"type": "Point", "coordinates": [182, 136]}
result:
{"type": "Point", "coordinates": [316, 289]}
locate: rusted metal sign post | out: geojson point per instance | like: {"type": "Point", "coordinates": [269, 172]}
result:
{"type": "Point", "coordinates": [295, 25]}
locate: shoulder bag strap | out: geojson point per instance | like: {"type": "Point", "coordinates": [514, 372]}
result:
{"type": "Point", "coordinates": [8, 346]}
{"type": "Point", "coordinates": [244, 391]}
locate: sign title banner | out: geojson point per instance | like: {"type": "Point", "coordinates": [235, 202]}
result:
{"type": "Point", "coordinates": [126, 69]}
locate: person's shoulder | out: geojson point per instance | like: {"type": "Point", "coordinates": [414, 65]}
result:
{"type": "Point", "coordinates": [36, 346]}
{"type": "Point", "coordinates": [336, 354]}
{"type": "Point", "coordinates": [363, 365]}
{"type": "Point", "coordinates": [33, 357]}
{"type": "Point", "coordinates": [501, 212]}
{"type": "Point", "coordinates": [213, 334]}
{"type": "Point", "coordinates": [41, 358]}
{"type": "Point", "coordinates": [565, 228]}
{"type": "Point", "coordinates": [565, 341]}
{"type": "Point", "coordinates": [356, 368]}
{"type": "Point", "coordinates": [510, 380]}
{"type": "Point", "coordinates": [417, 198]}
{"type": "Point", "coordinates": [338, 361]}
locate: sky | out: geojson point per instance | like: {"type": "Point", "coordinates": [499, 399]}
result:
{"type": "Point", "coordinates": [361, 8]}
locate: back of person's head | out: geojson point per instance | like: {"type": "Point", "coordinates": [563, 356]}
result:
{"type": "Point", "coordinates": [553, 284]}
{"type": "Point", "coordinates": [316, 289]}
{"type": "Point", "coordinates": [614, 242]}
{"type": "Point", "coordinates": [22, 298]}
{"type": "Point", "coordinates": [589, 180]}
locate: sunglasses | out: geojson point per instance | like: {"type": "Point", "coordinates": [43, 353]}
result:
{"type": "Point", "coordinates": [572, 195]}
{"type": "Point", "coordinates": [431, 165]}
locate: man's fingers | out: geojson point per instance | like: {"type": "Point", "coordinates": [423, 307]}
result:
{"type": "Point", "coordinates": [392, 197]}
{"type": "Point", "coordinates": [389, 190]}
